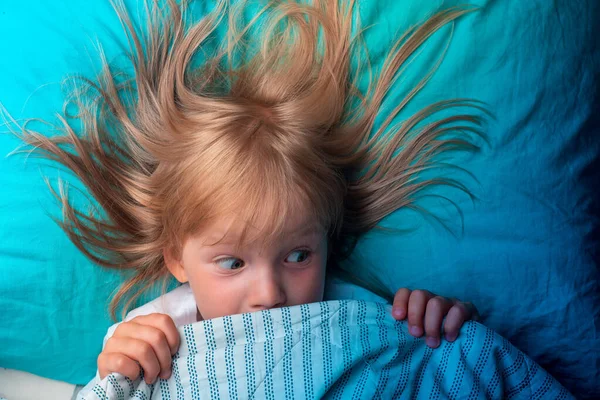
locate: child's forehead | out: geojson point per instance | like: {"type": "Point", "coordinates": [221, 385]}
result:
{"type": "Point", "coordinates": [232, 229]}
{"type": "Point", "coordinates": [257, 213]}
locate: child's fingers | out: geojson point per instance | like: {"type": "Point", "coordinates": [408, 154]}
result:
{"type": "Point", "coordinates": [155, 338]}
{"type": "Point", "coordinates": [416, 311]}
{"type": "Point", "coordinates": [117, 362]}
{"type": "Point", "coordinates": [437, 308]}
{"type": "Point", "coordinates": [137, 350]}
{"type": "Point", "coordinates": [400, 305]}
{"type": "Point", "coordinates": [164, 323]}
{"type": "Point", "coordinates": [457, 315]}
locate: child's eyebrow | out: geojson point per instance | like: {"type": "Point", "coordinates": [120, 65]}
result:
{"type": "Point", "coordinates": [212, 241]}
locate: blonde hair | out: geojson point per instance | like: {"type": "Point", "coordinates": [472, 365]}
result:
{"type": "Point", "coordinates": [257, 127]}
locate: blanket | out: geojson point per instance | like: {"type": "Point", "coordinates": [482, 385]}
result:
{"type": "Point", "coordinates": [335, 350]}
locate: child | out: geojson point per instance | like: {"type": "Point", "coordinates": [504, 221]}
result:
{"type": "Point", "coordinates": [246, 176]}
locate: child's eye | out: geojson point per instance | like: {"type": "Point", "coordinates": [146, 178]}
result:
{"type": "Point", "coordinates": [297, 256]}
{"type": "Point", "coordinates": [230, 263]}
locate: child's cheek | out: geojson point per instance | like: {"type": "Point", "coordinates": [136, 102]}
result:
{"type": "Point", "coordinates": [309, 286]}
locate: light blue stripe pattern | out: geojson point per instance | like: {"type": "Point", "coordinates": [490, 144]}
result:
{"type": "Point", "coordinates": [335, 350]}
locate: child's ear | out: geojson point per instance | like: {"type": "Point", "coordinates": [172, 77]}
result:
{"type": "Point", "coordinates": [174, 265]}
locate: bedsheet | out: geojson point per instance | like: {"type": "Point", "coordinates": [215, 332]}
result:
{"type": "Point", "coordinates": [335, 350]}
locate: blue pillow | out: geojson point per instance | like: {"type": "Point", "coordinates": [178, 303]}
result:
{"type": "Point", "coordinates": [525, 257]}
{"type": "Point", "coordinates": [528, 256]}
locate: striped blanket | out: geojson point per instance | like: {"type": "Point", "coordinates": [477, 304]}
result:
{"type": "Point", "coordinates": [335, 350]}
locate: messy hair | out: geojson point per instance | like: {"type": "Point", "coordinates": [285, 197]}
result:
{"type": "Point", "coordinates": [268, 120]}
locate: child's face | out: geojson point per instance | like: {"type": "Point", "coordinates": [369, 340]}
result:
{"type": "Point", "coordinates": [227, 279]}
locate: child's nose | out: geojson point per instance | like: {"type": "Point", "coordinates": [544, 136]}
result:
{"type": "Point", "coordinates": [267, 291]}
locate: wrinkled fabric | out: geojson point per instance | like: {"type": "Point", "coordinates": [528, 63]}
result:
{"type": "Point", "coordinates": [335, 350]}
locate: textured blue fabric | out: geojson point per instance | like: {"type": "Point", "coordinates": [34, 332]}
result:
{"type": "Point", "coordinates": [335, 350]}
{"type": "Point", "coordinates": [529, 253]}
{"type": "Point", "coordinates": [525, 258]}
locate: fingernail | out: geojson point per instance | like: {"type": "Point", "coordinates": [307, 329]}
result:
{"type": "Point", "coordinates": [398, 313]}
{"type": "Point", "coordinates": [432, 342]}
{"type": "Point", "coordinates": [165, 374]}
{"type": "Point", "coordinates": [415, 331]}
{"type": "Point", "coordinates": [450, 338]}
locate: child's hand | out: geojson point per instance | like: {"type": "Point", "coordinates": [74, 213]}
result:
{"type": "Point", "coordinates": [146, 341]}
{"type": "Point", "coordinates": [425, 308]}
